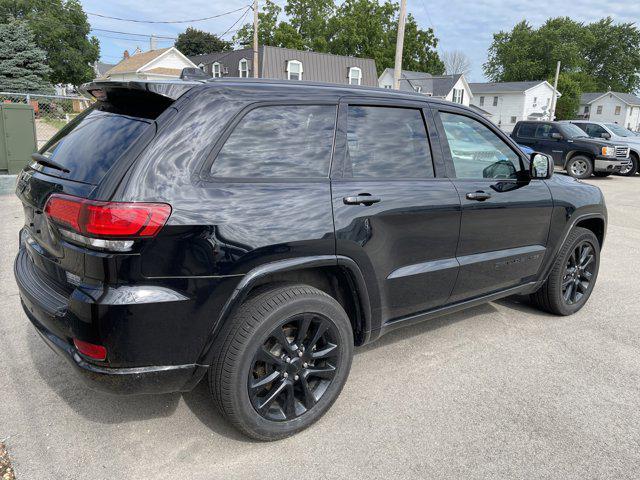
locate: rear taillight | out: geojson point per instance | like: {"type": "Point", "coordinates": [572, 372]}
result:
{"type": "Point", "coordinates": [95, 352]}
{"type": "Point", "coordinates": [108, 225]}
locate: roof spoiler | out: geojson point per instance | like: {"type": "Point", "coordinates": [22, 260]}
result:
{"type": "Point", "coordinates": [102, 89]}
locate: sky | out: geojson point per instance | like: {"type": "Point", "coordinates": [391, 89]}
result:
{"type": "Point", "coordinates": [466, 25]}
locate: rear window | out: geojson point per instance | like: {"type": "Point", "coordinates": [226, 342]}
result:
{"type": "Point", "coordinates": [91, 143]}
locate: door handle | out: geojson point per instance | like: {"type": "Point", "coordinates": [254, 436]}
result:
{"type": "Point", "coordinates": [480, 196]}
{"type": "Point", "coordinates": [361, 199]}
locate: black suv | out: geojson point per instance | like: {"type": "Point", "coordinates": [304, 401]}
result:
{"type": "Point", "coordinates": [572, 149]}
{"type": "Point", "coordinates": [255, 232]}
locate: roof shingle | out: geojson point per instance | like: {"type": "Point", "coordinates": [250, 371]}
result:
{"type": "Point", "coordinates": [134, 62]}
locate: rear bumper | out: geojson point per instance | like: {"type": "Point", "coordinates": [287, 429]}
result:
{"type": "Point", "coordinates": [605, 164]}
{"type": "Point", "coordinates": [48, 312]}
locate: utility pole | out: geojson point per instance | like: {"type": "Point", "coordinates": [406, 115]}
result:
{"type": "Point", "coordinates": [255, 38]}
{"type": "Point", "coordinates": [554, 99]}
{"type": "Point", "coordinates": [397, 70]}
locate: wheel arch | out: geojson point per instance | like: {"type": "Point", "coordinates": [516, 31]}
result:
{"type": "Point", "coordinates": [575, 153]}
{"type": "Point", "coordinates": [337, 276]}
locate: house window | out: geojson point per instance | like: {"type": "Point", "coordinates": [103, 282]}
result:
{"type": "Point", "coordinates": [599, 110]}
{"type": "Point", "coordinates": [243, 68]}
{"type": "Point", "coordinates": [618, 108]}
{"type": "Point", "coordinates": [294, 70]}
{"type": "Point", "coordinates": [514, 119]}
{"type": "Point", "coordinates": [535, 101]}
{"type": "Point", "coordinates": [418, 89]}
{"type": "Point", "coordinates": [355, 76]}
{"type": "Point", "coordinates": [586, 109]}
{"type": "Point", "coordinates": [216, 71]}
{"type": "Point", "coordinates": [458, 95]}
{"type": "Point", "coordinates": [495, 101]}
{"type": "Point", "coordinates": [482, 101]}
{"type": "Point", "coordinates": [388, 87]}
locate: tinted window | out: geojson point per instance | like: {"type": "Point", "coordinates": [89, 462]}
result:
{"type": "Point", "coordinates": [91, 143]}
{"type": "Point", "coordinates": [592, 129]}
{"type": "Point", "coordinates": [545, 131]}
{"type": "Point", "coordinates": [387, 142]}
{"type": "Point", "coordinates": [476, 151]}
{"type": "Point", "coordinates": [279, 141]}
{"type": "Point", "coordinates": [527, 130]}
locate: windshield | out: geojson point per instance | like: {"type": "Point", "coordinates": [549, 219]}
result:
{"type": "Point", "coordinates": [619, 131]}
{"type": "Point", "coordinates": [572, 131]}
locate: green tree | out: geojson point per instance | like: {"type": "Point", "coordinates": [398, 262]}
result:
{"type": "Point", "coordinates": [61, 29]}
{"type": "Point", "coordinates": [197, 42]}
{"type": "Point", "coordinates": [568, 103]}
{"type": "Point", "coordinates": [613, 55]}
{"type": "Point", "coordinates": [598, 55]}
{"type": "Point", "coordinates": [23, 65]}
{"type": "Point", "coordinates": [361, 28]}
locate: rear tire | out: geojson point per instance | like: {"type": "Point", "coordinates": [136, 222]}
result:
{"type": "Point", "coordinates": [634, 167]}
{"type": "Point", "coordinates": [572, 277]}
{"type": "Point", "coordinates": [277, 370]}
{"type": "Point", "coordinates": [580, 167]}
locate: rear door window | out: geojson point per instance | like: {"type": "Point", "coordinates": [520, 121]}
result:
{"type": "Point", "coordinates": [279, 141]}
{"type": "Point", "coordinates": [544, 132]}
{"type": "Point", "coordinates": [90, 144]}
{"type": "Point", "coordinates": [526, 130]}
{"type": "Point", "coordinates": [387, 142]}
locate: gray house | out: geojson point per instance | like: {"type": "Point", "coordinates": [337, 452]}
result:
{"type": "Point", "coordinates": [289, 64]}
{"type": "Point", "coordinates": [449, 87]}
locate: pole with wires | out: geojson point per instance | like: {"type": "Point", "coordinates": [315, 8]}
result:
{"type": "Point", "coordinates": [255, 38]}
{"type": "Point", "coordinates": [397, 70]}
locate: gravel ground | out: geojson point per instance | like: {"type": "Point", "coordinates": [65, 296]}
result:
{"type": "Point", "coordinates": [498, 391]}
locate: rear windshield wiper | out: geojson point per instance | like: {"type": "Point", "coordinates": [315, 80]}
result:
{"type": "Point", "coordinates": [47, 162]}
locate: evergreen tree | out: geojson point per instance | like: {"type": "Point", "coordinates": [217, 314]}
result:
{"type": "Point", "coordinates": [23, 66]}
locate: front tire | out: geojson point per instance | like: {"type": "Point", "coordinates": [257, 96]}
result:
{"type": "Point", "coordinates": [573, 275]}
{"type": "Point", "coordinates": [580, 167]}
{"type": "Point", "coordinates": [283, 360]}
{"type": "Point", "coordinates": [633, 169]}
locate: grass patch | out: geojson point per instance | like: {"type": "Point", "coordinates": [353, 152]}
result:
{"type": "Point", "coordinates": [6, 470]}
{"type": "Point", "coordinates": [56, 123]}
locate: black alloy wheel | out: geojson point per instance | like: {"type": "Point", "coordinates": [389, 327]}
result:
{"type": "Point", "coordinates": [294, 366]}
{"type": "Point", "coordinates": [578, 273]}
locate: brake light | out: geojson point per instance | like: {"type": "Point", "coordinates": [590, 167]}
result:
{"type": "Point", "coordinates": [106, 220]}
{"type": "Point", "coordinates": [96, 352]}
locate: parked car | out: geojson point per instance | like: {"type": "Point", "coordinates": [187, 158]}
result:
{"type": "Point", "coordinates": [254, 232]}
{"type": "Point", "coordinates": [618, 134]}
{"type": "Point", "coordinates": [526, 150]}
{"type": "Point", "coordinates": [571, 148]}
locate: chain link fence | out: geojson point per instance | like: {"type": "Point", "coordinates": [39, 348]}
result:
{"type": "Point", "coordinates": [52, 112]}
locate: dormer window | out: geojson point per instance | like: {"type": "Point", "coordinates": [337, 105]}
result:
{"type": "Point", "coordinates": [243, 68]}
{"type": "Point", "coordinates": [216, 70]}
{"type": "Point", "coordinates": [294, 70]}
{"type": "Point", "coordinates": [355, 76]}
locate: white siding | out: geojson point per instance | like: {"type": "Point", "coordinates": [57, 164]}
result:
{"type": "Point", "coordinates": [386, 79]}
{"type": "Point", "coordinates": [510, 107]}
{"type": "Point", "coordinates": [538, 101]}
{"type": "Point", "coordinates": [171, 59]}
{"type": "Point", "coordinates": [608, 103]}
{"type": "Point", "coordinates": [460, 84]}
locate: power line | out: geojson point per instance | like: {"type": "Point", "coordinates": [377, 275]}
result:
{"type": "Point", "coordinates": [240, 18]}
{"type": "Point", "coordinates": [132, 33]}
{"type": "Point", "coordinates": [166, 21]}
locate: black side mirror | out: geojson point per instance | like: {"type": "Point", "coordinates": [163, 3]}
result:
{"type": "Point", "coordinates": [605, 135]}
{"type": "Point", "coordinates": [556, 136]}
{"type": "Point", "coordinates": [541, 167]}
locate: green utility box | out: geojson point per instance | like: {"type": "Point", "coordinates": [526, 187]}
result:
{"type": "Point", "coordinates": [17, 136]}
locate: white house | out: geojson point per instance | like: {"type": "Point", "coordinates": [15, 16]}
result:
{"type": "Point", "coordinates": [161, 64]}
{"type": "Point", "coordinates": [510, 102]}
{"type": "Point", "coordinates": [449, 87]}
{"type": "Point", "coordinates": [611, 107]}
